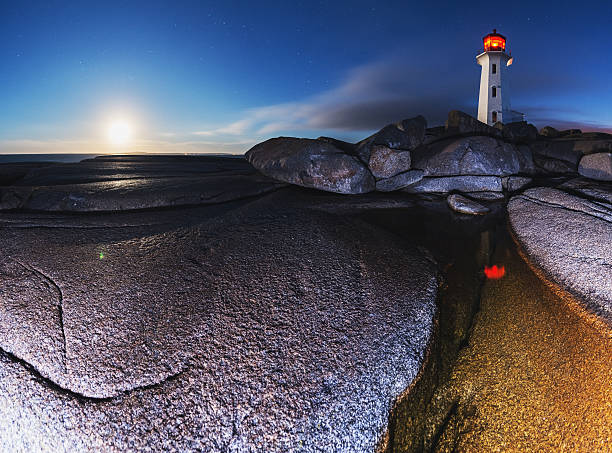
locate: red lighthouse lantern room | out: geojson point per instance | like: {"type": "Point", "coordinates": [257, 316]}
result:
{"type": "Point", "coordinates": [494, 42]}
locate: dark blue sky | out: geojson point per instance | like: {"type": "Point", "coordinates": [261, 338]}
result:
{"type": "Point", "coordinates": [220, 76]}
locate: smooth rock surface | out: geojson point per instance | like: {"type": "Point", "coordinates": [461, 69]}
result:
{"type": "Point", "coordinates": [311, 163]}
{"type": "Point", "coordinates": [399, 181]}
{"type": "Point", "coordinates": [596, 166]}
{"type": "Point", "coordinates": [467, 156]}
{"type": "Point", "coordinates": [464, 205]}
{"type": "Point", "coordinates": [259, 326]}
{"type": "Point", "coordinates": [568, 238]}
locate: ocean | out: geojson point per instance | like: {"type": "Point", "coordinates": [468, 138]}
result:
{"type": "Point", "coordinates": [13, 158]}
{"type": "Point", "coordinates": [68, 158]}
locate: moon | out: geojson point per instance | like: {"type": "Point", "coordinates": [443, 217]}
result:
{"type": "Point", "coordinates": [119, 133]}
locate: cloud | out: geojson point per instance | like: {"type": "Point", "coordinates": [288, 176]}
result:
{"type": "Point", "coordinates": [370, 97]}
{"type": "Point", "coordinates": [239, 127]}
{"type": "Point", "coordinates": [403, 86]}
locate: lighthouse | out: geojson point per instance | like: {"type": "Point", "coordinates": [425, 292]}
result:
{"type": "Point", "coordinates": [494, 96]}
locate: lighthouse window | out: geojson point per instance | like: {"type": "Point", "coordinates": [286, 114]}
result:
{"type": "Point", "coordinates": [494, 117]}
{"type": "Point", "coordinates": [494, 69]}
{"type": "Point", "coordinates": [494, 92]}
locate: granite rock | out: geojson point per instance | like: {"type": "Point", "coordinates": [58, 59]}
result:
{"type": "Point", "coordinates": [399, 181]}
{"type": "Point", "coordinates": [386, 162]}
{"type": "Point", "coordinates": [403, 135]}
{"type": "Point", "coordinates": [549, 131]}
{"type": "Point", "coordinates": [460, 123]}
{"type": "Point", "coordinates": [514, 183]}
{"type": "Point", "coordinates": [457, 183]}
{"type": "Point", "coordinates": [596, 166]}
{"type": "Point", "coordinates": [467, 156]}
{"type": "Point", "coordinates": [137, 193]}
{"type": "Point", "coordinates": [567, 238]}
{"type": "Point", "coordinates": [207, 328]}
{"type": "Point", "coordinates": [519, 132]}
{"type": "Point", "coordinates": [311, 163]}
{"type": "Point", "coordinates": [464, 205]}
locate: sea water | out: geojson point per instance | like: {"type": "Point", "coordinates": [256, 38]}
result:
{"type": "Point", "coordinates": [13, 158]}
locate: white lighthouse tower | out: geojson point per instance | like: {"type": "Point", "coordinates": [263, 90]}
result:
{"type": "Point", "coordinates": [494, 99]}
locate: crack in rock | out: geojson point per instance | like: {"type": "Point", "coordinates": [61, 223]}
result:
{"type": "Point", "coordinates": [606, 215]}
{"type": "Point", "coordinates": [60, 305]}
{"type": "Point", "coordinates": [51, 384]}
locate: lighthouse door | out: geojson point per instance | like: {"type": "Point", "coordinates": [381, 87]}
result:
{"type": "Point", "coordinates": [494, 117]}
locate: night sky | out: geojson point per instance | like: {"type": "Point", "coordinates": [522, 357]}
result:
{"type": "Point", "coordinates": [221, 76]}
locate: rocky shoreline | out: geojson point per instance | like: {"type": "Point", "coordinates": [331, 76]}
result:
{"type": "Point", "coordinates": [206, 303]}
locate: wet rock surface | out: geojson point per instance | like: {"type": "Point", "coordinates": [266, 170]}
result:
{"type": "Point", "coordinates": [567, 237]}
{"type": "Point", "coordinates": [265, 325]}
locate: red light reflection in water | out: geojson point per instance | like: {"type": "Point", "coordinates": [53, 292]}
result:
{"type": "Point", "coordinates": [494, 272]}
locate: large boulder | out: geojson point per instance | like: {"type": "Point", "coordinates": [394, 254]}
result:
{"type": "Point", "coordinates": [404, 135]}
{"type": "Point", "coordinates": [566, 238]}
{"type": "Point", "coordinates": [347, 147]}
{"type": "Point", "coordinates": [590, 146]}
{"type": "Point", "coordinates": [596, 166]}
{"type": "Point", "coordinates": [519, 132]}
{"type": "Point", "coordinates": [555, 156]}
{"type": "Point", "coordinates": [549, 131]}
{"type": "Point", "coordinates": [570, 133]}
{"type": "Point", "coordinates": [460, 123]}
{"type": "Point", "coordinates": [595, 190]}
{"type": "Point", "coordinates": [464, 205]}
{"type": "Point", "coordinates": [467, 156]}
{"type": "Point", "coordinates": [386, 162]}
{"type": "Point", "coordinates": [433, 134]}
{"type": "Point", "coordinates": [515, 183]}
{"type": "Point", "coordinates": [268, 328]}
{"type": "Point", "coordinates": [311, 163]}
{"type": "Point", "coordinates": [399, 181]}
